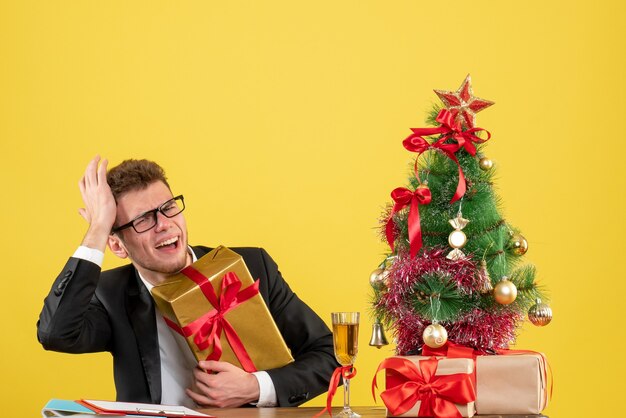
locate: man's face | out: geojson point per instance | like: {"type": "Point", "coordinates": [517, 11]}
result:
{"type": "Point", "coordinates": [160, 251]}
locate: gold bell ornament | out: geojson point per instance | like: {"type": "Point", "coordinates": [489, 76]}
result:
{"type": "Point", "coordinates": [540, 314]}
{"type": "Point", "coordinates": [378, 338]}
{"type": "Point", "coordinates": [435, 335]}
{"type": "Point", "coordinates": [505, 292]}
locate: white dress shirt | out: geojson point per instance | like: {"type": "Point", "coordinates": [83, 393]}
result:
{"type": "Point", "coordinates": [177, 360]}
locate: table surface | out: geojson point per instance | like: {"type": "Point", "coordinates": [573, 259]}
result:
{"type": "Point", "coordinates": [308, 412]}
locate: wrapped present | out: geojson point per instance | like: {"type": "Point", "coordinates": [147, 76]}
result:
{"type": "Point", "coordinates": [512, 383]}
{"type": "Point", "coordinates": [418, 386]}
{"type": "Point", "coordinates": [216, 306]}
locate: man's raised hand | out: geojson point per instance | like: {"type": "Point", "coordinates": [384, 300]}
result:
{"type": "Point", "coordinates": [100, 208]}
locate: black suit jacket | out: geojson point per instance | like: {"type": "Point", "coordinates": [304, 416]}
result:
{"type": "Point", "coordinates": [89, 311]}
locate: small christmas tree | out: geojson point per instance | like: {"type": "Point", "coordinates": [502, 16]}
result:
{"type": "Point", "coordinates": [454, 270]}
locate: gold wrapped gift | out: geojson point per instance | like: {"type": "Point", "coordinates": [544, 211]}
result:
{"type": "Point", "coordinates": [511, 384]}
{"type": "Point", "coordinates": [238, 319]}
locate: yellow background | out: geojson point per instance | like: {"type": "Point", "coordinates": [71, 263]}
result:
{"type": "Point", "coordinates": [282, 121]}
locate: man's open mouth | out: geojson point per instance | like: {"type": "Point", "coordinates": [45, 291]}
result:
{"type": "Point", "coordinates": [168, 244]}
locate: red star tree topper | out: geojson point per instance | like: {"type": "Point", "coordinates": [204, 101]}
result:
{"type": "Point", "coordinates": [463, 104]}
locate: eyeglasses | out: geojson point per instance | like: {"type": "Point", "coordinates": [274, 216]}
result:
{"type": "Point", "coordinates": [148, 220]}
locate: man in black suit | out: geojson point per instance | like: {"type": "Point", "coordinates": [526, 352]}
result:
{"type": "Point", "coordinates": [132, 210]}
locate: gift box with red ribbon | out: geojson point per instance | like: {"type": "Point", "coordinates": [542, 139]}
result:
{"type": "Point", "coordinates": [514, 382]}
{"type": "Point", "coordinates": [507, 382]}
{"type": "Point", "coordinates": [216, 306]}
{"type": "Point", "coordinates": [418, 386]}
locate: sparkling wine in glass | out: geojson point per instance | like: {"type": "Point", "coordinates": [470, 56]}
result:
{"type": "Point", "coordinates": [346, 344]}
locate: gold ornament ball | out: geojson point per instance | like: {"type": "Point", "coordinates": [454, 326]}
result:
{"type": "Point", "coordinates": [505, 292]}
{"type": "Point", "coordinates": [518, 244]}
{"type": "Point", "coordinates": [540, 314]}
{"type": "Point", "coordinates": [377, 278]}
{"type": "Point", "coordinates": [435, 336]}
{"type": "Point", "coordinates": [485, 164]}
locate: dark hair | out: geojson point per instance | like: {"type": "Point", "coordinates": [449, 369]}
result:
{"type": "Point", "coordinates": [134, 175]}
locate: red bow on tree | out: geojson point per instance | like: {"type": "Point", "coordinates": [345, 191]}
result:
{"type": "Point", "coordinates": [404, 197]}
{"type": "Point", "coordinates": [449, 129]}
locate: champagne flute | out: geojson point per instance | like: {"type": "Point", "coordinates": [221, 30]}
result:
{"type": "Point", "coordinates": [346, 344]}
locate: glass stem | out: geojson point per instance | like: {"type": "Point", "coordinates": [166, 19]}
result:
{"type": "Point", "coordinates": [346, 394]}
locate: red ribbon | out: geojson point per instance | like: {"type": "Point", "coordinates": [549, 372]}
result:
{"type": "Point", "coordinates": [208, 328]}
{"type": "Point", "coordinates": [437, 394]}
{"type": "Point", "coordinates": [347, 372]}
{"type": "Point", "coordinates": [451, 350]}
{"type": "Point", "coordinates": [449, 129]}
{"type": "Point", "coordinates": [402, 198]}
